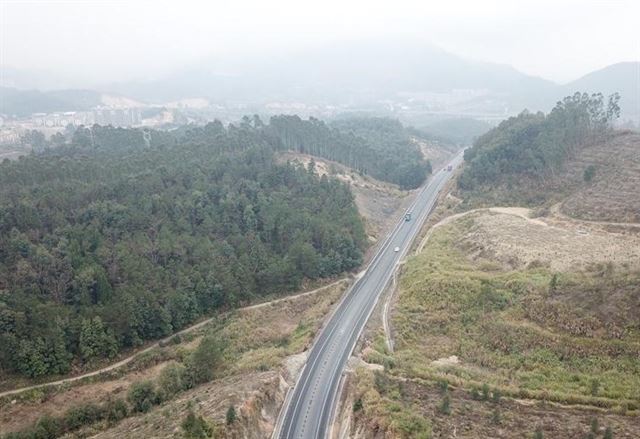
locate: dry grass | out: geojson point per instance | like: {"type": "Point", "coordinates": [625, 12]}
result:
{"type": "Point", "coordinates": [515, 241]}
{"type": "Point", "coordinates": [614, 193]}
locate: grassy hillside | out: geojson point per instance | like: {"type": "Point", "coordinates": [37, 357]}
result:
{"type": "Point", "coordinates": [569, 336]}
{"type": "Point", "coordinates": [505, 326]}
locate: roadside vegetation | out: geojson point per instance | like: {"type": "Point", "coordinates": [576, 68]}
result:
{"type": "Point", "coordinates": [530, 332]}
{"type": "Point", "coordinates": [237, 348]}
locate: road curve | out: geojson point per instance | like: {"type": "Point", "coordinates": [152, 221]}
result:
{"type": "Point", "coordinates": [309, 406]}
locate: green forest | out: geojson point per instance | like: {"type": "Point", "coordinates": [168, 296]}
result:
{"type": "Point", "coordinates": [114, 237]}
{"type": "Point", "coordinates": [537, 145]}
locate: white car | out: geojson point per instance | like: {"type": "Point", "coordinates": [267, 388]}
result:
{"type": "Point", "coordinates": [397, 249]}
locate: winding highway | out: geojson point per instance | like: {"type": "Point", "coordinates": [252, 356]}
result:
{"type": "Point", "coordinates": [308, 408]}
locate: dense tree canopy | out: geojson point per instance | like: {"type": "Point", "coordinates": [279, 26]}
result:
{"type": "Point", "coordinates": [537, 145]}
{"type": "Point", "coordinates": [114, 238]}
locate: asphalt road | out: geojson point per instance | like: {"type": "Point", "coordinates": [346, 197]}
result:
{"type": "Point", "coordinates": [309, 407]}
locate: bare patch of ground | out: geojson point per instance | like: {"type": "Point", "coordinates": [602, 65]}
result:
{"type": "Point", "coordinates": [432, 152]}
{"type": "Point", "coordinates": [512, 238]}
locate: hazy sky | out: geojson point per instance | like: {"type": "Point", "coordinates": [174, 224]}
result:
{"type": "Point", "coordinates": [115, 40]}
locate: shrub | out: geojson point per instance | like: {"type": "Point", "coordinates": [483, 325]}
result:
{"type": "Point", "coordinates": [608, 433]}
{"type": "Point", "coordinates": [195, 427]}
{"type": "Point", "coordinates": [445, 405]}
{"type": "Point", "coordinates": [116, 410]}
{"type": "Point", "coordinates": [171, 380]}
{"type": "Point", "coordinates": [443, 385]}
{"type": "Point", "coordinates": [595, 426]}
{"type": "Point", "coordinates": [231, 415]}
{"type": "Point", "coordinates": [47, 427]}
{"type": "Point", "coordinates": [496, 396]}
{"type": "Point", "coordinates": [538, 434]}
{"type": "Point", "coordinates": [595, 387]}
{"type": "Point", "coordinates": [203, 361]}
{"type": "Point", "coordinates": [142, 396]}
{"type": "Point", "coordinates": [495, 416]}
{"type": "Point", "coordinates": [82, 415]}
{"type": "Point", "coordinates": [485, 392]}
{"type": "Point", "coordinates": [357, 406]}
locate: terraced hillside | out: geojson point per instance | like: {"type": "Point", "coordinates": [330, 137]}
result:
{"type": "Point", "coordinates": [614, 191]}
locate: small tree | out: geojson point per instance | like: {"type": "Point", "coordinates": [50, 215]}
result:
{"type": "Point", "coordinates": [608, 433]}
{"type": "Point", "coordinates": [538, 434]}
{"type": "Point", "coordinates": [231, 415]}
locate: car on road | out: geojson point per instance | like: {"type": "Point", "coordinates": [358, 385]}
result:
{"type": "Point", "coordinates": [397, 249]}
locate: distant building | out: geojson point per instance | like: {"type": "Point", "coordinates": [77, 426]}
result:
{"type": "Point", "coordinates": [117, 117]}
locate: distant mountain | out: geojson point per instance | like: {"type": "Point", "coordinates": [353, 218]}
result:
{"type": "Point", "coordinates": [23, 79]}
{"type": "Point", "coordinates": [388, 77]}
{"type": "Point", "coordinates": [353, 73]}
{"type": "Point", "coordinates": [21, 103]}
{"type": "Point", "coordinates": [623, 78]}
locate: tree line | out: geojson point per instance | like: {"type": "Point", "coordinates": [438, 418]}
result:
{"type": "Point", "coordinates": [380, 147]}
{"type": "Point", "coordinates": [117, 236]}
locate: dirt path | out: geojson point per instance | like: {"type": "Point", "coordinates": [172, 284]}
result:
{"type": "Point", "coordinates": [555, 210]}
{"type": "Point", "coordinates": [130, 358]}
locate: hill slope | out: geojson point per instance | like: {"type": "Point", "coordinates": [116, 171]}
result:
{"type": "Point", "coordinates": [613, 193]}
